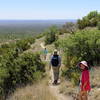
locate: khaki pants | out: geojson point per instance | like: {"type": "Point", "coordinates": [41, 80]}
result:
{"type": "Point", "coordinates": [55, 73]}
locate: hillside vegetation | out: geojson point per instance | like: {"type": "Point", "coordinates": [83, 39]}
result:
{"type": "Point", "coordinates": [74, 41]}
{"type": "Point", "coordinates": [18, 68]}
{"type": "Point", "coordinates": [91, 20]}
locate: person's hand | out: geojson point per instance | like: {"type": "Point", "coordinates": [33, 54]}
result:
{"type": "Point", "coordinates": [83, 88]}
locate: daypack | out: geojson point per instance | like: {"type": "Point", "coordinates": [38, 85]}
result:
{"type": "Point", "coordinates": [55, 60]}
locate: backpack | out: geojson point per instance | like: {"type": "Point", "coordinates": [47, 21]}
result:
{"type": "Point", "coordinates": [55, 60]}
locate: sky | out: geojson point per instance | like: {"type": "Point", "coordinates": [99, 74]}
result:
{"type": "Point", "coordinates": [47, 9]}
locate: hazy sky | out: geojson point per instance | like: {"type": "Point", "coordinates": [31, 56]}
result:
{"type": "Point", "coordinates": [46, 9]}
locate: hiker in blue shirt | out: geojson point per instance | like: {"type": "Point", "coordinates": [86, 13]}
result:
{"type": "Point", "coordinates": [45, 52]}
{"type": "Point", "coordinates": [55, 62]}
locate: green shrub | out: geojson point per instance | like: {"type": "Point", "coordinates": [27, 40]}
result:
{"type": "Point", "coordinates": [69, 27]}
{"type": "Point", "coordinates": [40, 35]}
{"type": "Point", "coordinates": [83, 23]}
{"type": "Point", "coordinates": [3, 75]}
{"type": "Point", "coordinates": [21, 70]}
{"type": "Point", "coordinates": [99, 25]}
{"type": "Point", "coordinates": [91, 20]}
{"type": "Point", "coordinates": [18, 68]}
{"type": "Point", "coordinates": [29, 63]}
{"type": "Point", "coordinates": [5, 48]}
{"type": "Point", "coordinates": [84, 45]}
{"type": "Point", "coordinates": [51, 35]}
{"type": "Point", "coordinates": [30, 40]}
{"type": "Point", "coordinates": [23, 45]}
{"type": "Point", "coordinates": [19, 45]}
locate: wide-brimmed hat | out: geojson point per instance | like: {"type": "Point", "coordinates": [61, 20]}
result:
{"type": "Point", "coordinates": [55, 51]}
{"type": "Point", "coordinates": [84, 63]}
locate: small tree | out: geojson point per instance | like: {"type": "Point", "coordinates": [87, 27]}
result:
{"type": "Point", "coordinates": [69, 27]}
{"type": "Point", "coordinates": [51, 35]}
{"type": "Point", "coordinates": [92, 14]}
{"type": "Point", "coordinates": [90, 20]}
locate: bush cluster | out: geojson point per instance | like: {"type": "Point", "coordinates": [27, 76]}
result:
{"type": "Point", "coordinates": [18, 68]}
{"type": "Point", "coordinates": [69, 27]}
{"type": "Point", "coordinates": [84, 45]}
{"type": "Point", "coordinates": [24, 44]}
{"type": "Point", "coordinates": [91, 20]}
{"type": "Point", "coordinates": [51, 35]}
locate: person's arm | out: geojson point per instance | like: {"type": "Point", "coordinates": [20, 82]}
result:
{"type": "Point", "coordinates": [59, 61]}
{"type": "Point", "coordinates": [84, 85]}
{"type": "Point", "coordinates": [50, 63]}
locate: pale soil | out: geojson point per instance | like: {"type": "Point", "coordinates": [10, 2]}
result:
{"type": "Point", "coordinates": [55, 91]}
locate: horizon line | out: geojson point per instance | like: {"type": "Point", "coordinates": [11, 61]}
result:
{"type": "Point", "coordinates": [38, 19]}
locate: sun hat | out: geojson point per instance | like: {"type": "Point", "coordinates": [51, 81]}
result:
{"type": "Point", "coordinates": [84, 63]}
{"type": "Point", "coordinates": [55, 51]}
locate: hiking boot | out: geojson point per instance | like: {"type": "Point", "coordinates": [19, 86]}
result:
{"type": "Point", "coordinates": [55, 82]}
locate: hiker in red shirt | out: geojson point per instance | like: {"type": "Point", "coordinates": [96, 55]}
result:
{"type": "Point", "coordinates": [84, 81]}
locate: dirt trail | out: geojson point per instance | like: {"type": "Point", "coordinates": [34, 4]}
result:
{"type": "Point", "coordinates": [55, 91]}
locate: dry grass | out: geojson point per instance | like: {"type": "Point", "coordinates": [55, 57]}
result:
{"type": "Point", "coordinates": [67, 88]}
{"type": "Point", "coordinates": [95, 94]}
{"type": "Point", "coordinates": [35, 92]}
{"type": "Point", "coordinates": [95, 82]}
{"type": "Point", "coordinates": [95, 77]}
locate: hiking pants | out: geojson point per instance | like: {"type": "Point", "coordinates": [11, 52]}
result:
{"type": "Point", "coordinates": [55, 73]}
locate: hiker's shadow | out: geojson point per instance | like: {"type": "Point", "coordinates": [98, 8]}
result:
{"type": "Point", "coordinates": [57, 84]}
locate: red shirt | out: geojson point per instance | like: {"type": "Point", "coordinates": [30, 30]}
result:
{"type": "Point", "coordinates": [85, 79]}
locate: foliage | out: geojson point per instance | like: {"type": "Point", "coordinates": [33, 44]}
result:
{"type": "Point", "coordinates": [84, 45]}
{"type": "Point", "coordinates": [40, 35]}
{"type": "Point", "coordinates": [99, 25]}
{"type": "Point", "coordinates": [18, 68]}
{"type": "Point", "coordinates": [69, 27]}
{"type": "Point", "coordinates": [82, 23]}
{"type": "Point", "coordinates": [90, 20]}
{"type": "Point", "coordinates": [24, 44]}
{"type": "Point", "coordinates": [51, 35]}
{"type": "Point", "coordinates": [18, 45]}
{"type": "Point", "coordinates": [10, 37]}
